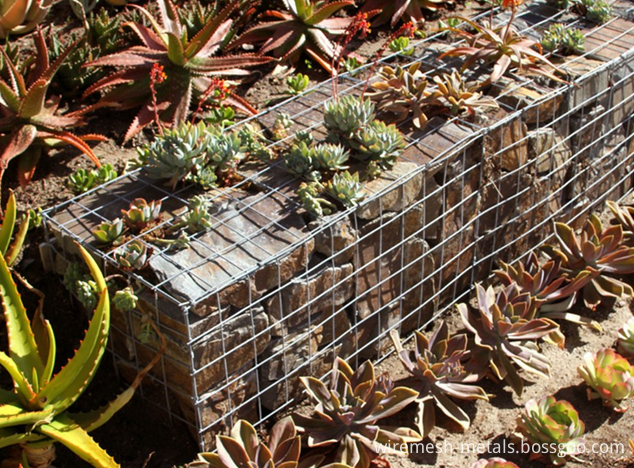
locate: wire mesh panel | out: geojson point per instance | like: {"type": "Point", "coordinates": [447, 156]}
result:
{"type": "Point", "coordinates": [268, 293]}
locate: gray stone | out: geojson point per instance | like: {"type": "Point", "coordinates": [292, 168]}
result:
{"type": "Point", "coordinates": [334, 238]}
{"type": "Point", "coordinates": [506, 143]}
{"type": "Point", "coordinates": [393, 190]}
{"type": "Point", "coordinates": [540, 104]}
{"type": "Point", "coordinates": [590, 81]}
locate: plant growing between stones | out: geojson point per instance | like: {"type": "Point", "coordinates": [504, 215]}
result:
{"type": "Point", "coordinates": [378, 144]}
{"type": "Point", "coordinates": [559, 38]}
{"type": "Point", "coordinates": [133, 255]}
{"type": "Point", "coordinates": [610, 377]}
{"type": "Point", "coordinates": [110, 232]}
{"type": "Point", "coordinates": [347, 115]}
{"type": "Point", "coordinates": [297, 84]}
{"type": "Point", "coordinates": [552, 423]}
{"type": "Point", "coordinates": [437, 373]}
{"type": "Point", "coordinates": [345, 188]}
{"type": "Point", "coordinates": [347, 413]}
{"type": "Point", "coordinates": [505, 330]}
{"type": "Point", "coordinates": [309, 194]}
{"type": "Point", "coordinates": [83, 180]}
{"type": "Point", "coordinates": [596, 11]}
{"type": "Point", "coordinates": [600, 251]}
{"type": "Point", "coordinates": [141, 214]}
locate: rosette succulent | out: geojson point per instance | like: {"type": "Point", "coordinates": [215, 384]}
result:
{"type": "Point", "coordinates": [329, 157]}
{"type": "Point", "coordinates": [596, 250]}
{"type": "Point", "coordinates": [133, 256]}
{"type": "Point", "coordinates": [505, 330]}
{"type": "Point", "coordinates": [125, 299]}
{"type": "Point", "coordinates": [625, 343]}
{"type": "Point", "coordinates": [109, 232]}
{"type": "Point", "coordinates": [551, 422]}
{"type": "Point", "coordinates": [378, 143]}
{"type": "Point", "coordinates": [610, 377]}
{"type": "Point", "coordinates": [346, 188]}
{"type": "Point", "coordinates": [437, 373]}
{"type": "Point", "coordinates": [347, 115]}
{"type": "Point", "coordinates": [141, 214]}
{"type": "Point", "coordinates": [312, 201]}
{"type": "Point", "coordinates": [348, 411]}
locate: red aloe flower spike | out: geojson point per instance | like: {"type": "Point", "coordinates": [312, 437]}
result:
{"type": "Point", "coordinates": [157, 76]}
{"type": "Point", "coordinates": [360, 24]}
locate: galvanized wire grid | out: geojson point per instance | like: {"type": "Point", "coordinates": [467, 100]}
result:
{"type": "Point", "coordinates": [472, 209]}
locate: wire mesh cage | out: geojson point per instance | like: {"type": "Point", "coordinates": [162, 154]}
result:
{"type": "Point", "coordinates": [268, 293]}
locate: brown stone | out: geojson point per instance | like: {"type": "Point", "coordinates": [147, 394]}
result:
{"type": "Point", "coordinates": [540, 105]}
{"type": "Point", "coordinates": [334, 237]}
{"type": "Point", "coordinates": [506, 143]}
{"type": "Point", "coordinates": [588, 83]}
{"type": "Point", "coordinates": [301, 299]}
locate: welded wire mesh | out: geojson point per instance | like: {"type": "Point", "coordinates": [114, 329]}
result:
{"type": "Point", "coordinates": [268, 294]}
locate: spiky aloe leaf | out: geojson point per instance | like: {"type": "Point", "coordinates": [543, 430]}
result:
{"type": "Point", "coordinates": [64, 430]}
{"type": "Point", "coordinates": [8, 225]}
{"type": "Point", "coordinates": [12, 436]}
{"type": "Point", "coordinates": [65, 387]}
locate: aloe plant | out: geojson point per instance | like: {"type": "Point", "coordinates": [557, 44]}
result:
{"type": "Point", "coordinates": [600, 251]}
{"type": "Point", "coordinates": [505, 329]}
{"type": "Point", "coordinates": [36, 412]}
{"type": "Point", "coordinates": [11, 250]}
{"type": "Point", "coordinates": [610, 377]}
{"type": "Point", "coordinates": [31, 122]}
{"type": "Point", "coordinates": [189, 66]}
{"type": "Point", "coordinates": [437, 373]}
{"type": "Point", "coordinates": [552, 423]}
{"type": "Point", "coordinates": [348, 411]}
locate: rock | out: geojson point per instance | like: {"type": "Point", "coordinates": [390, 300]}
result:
{"type": "Point", "coordinates": [621, 92]}
{"type": "Point", "coordinates": [540, 104]}
{"type": "Point", "coordinates": [393, 190]}
{"type": "Point", "coordinates": [590, 77]}
{"type": "Point", "coordinates": [585, 130]}
{"type": "Point", "coordinates": [506, 142]}
{"type": "Point", "coordinates": [320, 290]}
{"type": "Point", "coordinates": [334, 237]}
{"type": "Point", "coordinates": [239, 258]}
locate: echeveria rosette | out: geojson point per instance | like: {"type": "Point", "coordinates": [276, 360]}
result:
{"type": "Point", "coordinates": [505, 334]}
{"type": "Point", "coordinates": [600, 251]}
{"type": "Point", "coordinates": [141, 214]}
{"type": "Point", "coordinates": [438, 375]}
{"type": "Point", "coordinates": [348, 410]}
{"type": "Point", "coordinates": [610, 377]}
{"type": "Point", "coordinates": [550, 421]}
{"type": "Point", "coordinates": [625, 343]}
{"type": "Point", "coordinates": [494, 463]}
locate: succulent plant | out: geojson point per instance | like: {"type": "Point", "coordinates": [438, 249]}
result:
{"type": "Point", "coordinates": [177, 153]}
{"type": "Point", "coordinates": [81, 180]}
{"type": "Point", "coordinates": [312, 201]}
{"type": "Point", "coordinates": [223, 116]}
{"type": "Point", "coordinates": [22, 16]}
{"type": "Point", "coordinates": [347, 115]}
{"type": "Point", "coordinates": [595, 250]}
{"type": "Point", "coordinates": [281, 125]}
{"type": "Point", "coordinates": [141, 214]}
{"type": "Point", "coordinates": [597, 11]}
{"type": "Point", "coordinates": [563, 39]}
{"type": "Point", "coordinates": [189, 66]}
{"type": "Point", "coordinates": [494, 462]}
{"type": "Point", "coordinates": [297, 84]}
{"type": "Point", "coordinates": [125, 299]}
{"type": "Point", "coordinates": [109, 232]}
{"type": "Point", "coordinates": [624, 215]}
{"type": "Point", "coordinates": [299, 161]}
{"type": "Point", "coordinates": [346, 188]}
{"type": "Point", "coordinates": [401, 46]}
{"type": "Point", "coordinates": [505, 330]}
{"type": "Point", "coordinates": [87, 294]}
{"type": "Point", "coordinates": [552, 423]}
{"type": "Point", "coordinates": [452, 93]}
{"type": "Point", "coordinates": [625, 343]}
{"type": "Point", "coordinates": [504, 48]}
{"type": "Point", "coordinates": [133, 256]}
{"type": "Point", "coordinates": [438, 374]}
{"type": "Point", "coordinates": [198, 217]}
{"type": "Point", "coordinates": [225, 152]}
{"type": "Point", "coordinates": [329, 157]}
{"type": "Point", "coordinates": [402, 92]}
{"type": "Point", "coordinates": [242, 448]}
{"type": "Point", "coordinates": [551, 289]}
{"type": "Point", "coordinates": [348, 411]}
{"type": "Point", "coordinates": [378, 143]}
{"type": "Point", "coordinates": [610, 377]}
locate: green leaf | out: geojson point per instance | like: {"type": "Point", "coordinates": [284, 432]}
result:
{"type": "Point", "coordinates": [20, 381]}
{"type": "Point", "coordinates": [22, 346]}
{"type": "Point", "coordinates": [12, 101]}
{"type": "Point", "coordinates": [64, 389]}
{"type": "Point", "coordinates": [16, 415]}
{"type": "Point", "coordinates": [97, 418]}
{"type": "Point", "coordinates": [14, 250]}
{"type": "Point", "coordinates": [175, 51]}
{"type": "Point", "coordinates": [8, 224]}
{"type": "Point", "coordinates": [11, 436]}
{"type": "Point", "coordinates": [64, 430]}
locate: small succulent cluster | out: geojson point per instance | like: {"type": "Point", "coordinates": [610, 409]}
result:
{"type": "Point", "coordinates": [610, 377]}
{"type": "Point", "coordinates": [297, 84]}
{"type": "Point", "coordinates": [133, 255]}
{"type": "Point", "coordinates": [403, 93]}
{"type": "Point", "coordinates": [83, 180]}
{"type": "Point", "coordinates": [141, 214]}
{"type": "Point", "coordinates": [198, 153]}
{"type": "Point", "coordinates": [563, 39]}
{"type": "Point", "coordinates": [552, 423]}
{"type": "Point", "coordinates": [109, 232]}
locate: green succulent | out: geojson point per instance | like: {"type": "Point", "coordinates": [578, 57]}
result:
{"type": "Point", "coordinates": [610, 377]}
{"type": "Point", "coordinates": [564, 39]}
{"type": "Point", "coordinates": [312, 201]}
{"type": "Point", "coordinates": [109, 232]}
{"type": "Point", "coordinates": [400, 45]}
{"type": "Point", "coordinates": [347, 414]}
{"type": "Point", "coordinates": [625, 343]}
{"type": "Point", "coordinates": [81, 180]}
{"type": "Point", "coordinates": [141, 214]}
{"type": "Point", "coordinates": [74, 272]}
{"type": "Point", "coordinates": [133, 256]}
{"type": "Point", "coordinates": [105, 174]}
{"type": "Point", "coordinates": [297, 84]}
{"type": "Point", "coordinates": [282, 124]}
{"type": "Point", "coordinates": [205, 177]}
{"type": "Point", "coordinates": [225, 152]}
{"type": "Point", "coordinates": [198, 217]}
{"type": "Point", "coordinates": [347, 115]}
{"type": "Point", "coordinates": [329, 157]}
{"type": "Point", "coordinates": [125, 299]}
{"type": "Point", "coordinates": [299, 161]}
{"type": "Point", "coordinates": [177, 153]}
{"type": "Point", "coordinates": [378, 143]}
{"type": "Point", "coordinates": [346, 188]}
{"type": "Point", "coordinates": [551, 422]}
{"type": "Point", "coordinates": [220, 115]}
{"type": "Point", "coordinates": [87, 293]}
{"type": "Point", "coordinates": [304, 136]}
{"type": "Point", "coordinates": [597, 11]}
